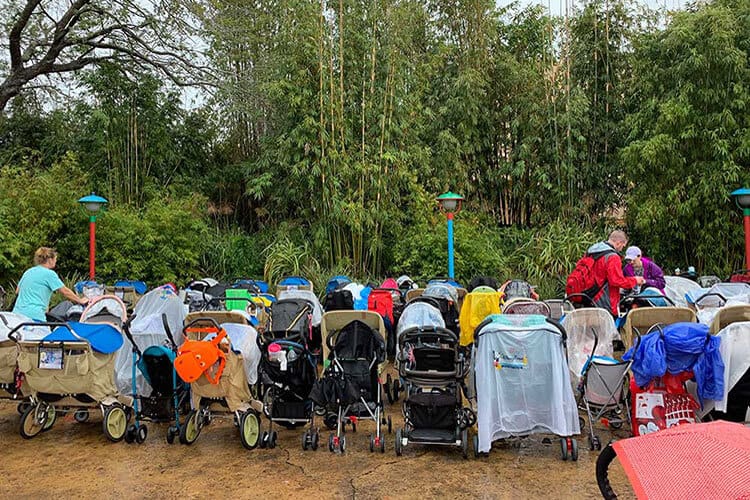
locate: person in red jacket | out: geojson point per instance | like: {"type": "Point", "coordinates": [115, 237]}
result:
{"type": "Point", "coordinates": [608, 272]}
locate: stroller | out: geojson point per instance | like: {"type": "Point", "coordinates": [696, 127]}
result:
{"type": "Point", "coordinates": [522, 382]}
{"type": "Point", "coordinates": [643, 318]}
{"type": "Point", "coordinates": [158, 393]}
{"type": "Point", "coordinates": [316, 313]}
{"type": "Point", "coordinates": [706, 302]}
{"type": "Point", "coordinates": [444, 297]}
{"type": "Point", "coordinates": [433, 368]}
{"type": "Point", "coordinates": [483, 301]}
{"type": "Point", "coordinates": [288, 371]}
{"type": "Point", "coordinates": [293, 283]}
{"type": "Point", "coordinates": [350, 387]}
{"type": "Point", "coordinates": [381, 301]}
{"type": "Point", "coordinates": [219, 359]}
{"type": "Point", "coordinates": [523, 305]}
{"type": "Point", "coordinates": [663, 360]}
{"type": "Point", "coordinates": [13, 386]}
{"type": "Point", "coordinates": [73, 370]}
{"type": "Point", "coordinates": [677, 288]}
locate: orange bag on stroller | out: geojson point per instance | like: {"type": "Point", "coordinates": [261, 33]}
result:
{"type": "Point", "coordinates": [198, 357]}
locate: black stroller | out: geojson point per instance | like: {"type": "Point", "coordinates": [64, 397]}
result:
{"type": "Point", "coordinates": [350, 386]}
{"type": "Point", "coordinates": [433, 369]}
{"type": "Point", "coordinates": [288, 370]}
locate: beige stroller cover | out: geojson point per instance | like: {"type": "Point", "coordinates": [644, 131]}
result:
{"type": "Point", "coordinates": [728, 315]}
{"type": "Point", "coordinates": [644, 318]}
{"type": "Point", "coordinates": [334, 321]}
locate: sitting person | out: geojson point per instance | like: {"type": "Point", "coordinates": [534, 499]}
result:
{"type": "Point", "coordinates": [638, 265]}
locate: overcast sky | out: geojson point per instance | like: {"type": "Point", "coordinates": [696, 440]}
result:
{"type": "Point", "coordinates": [557, 7]}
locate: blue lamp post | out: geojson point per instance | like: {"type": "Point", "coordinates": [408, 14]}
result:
{"type": "Point", "coordinates": [92, 203]}
{"type": "Point", "coordinates": [450, 203]}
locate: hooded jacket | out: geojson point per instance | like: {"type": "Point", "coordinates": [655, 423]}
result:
{"type": "Point", "coordinates": [608, 274]}
{"type": "Point", "coordinates": [652, 273]}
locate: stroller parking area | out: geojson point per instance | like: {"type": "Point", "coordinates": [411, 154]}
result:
{"type": "Point", "coordinates": [76, 461]}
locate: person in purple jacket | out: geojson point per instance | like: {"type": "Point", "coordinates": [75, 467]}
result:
{"type": "Point", "coordinates": [638, 265]}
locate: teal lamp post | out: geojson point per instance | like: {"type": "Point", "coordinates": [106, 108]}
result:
{"type": "Point", "coordinates": [93, 204]}
{"type": "Point", "coordinates": [450, 203]}
{"type": "Point", "coordinates": [742, 198]}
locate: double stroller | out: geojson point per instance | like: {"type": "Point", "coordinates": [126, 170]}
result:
{"type": "Point", "coordinates": [219, 359]}
{"type": "Point", "coordinates": [349, 390]}
{"type": "Point", "coordinates": [155, 334]}
{"type": "Point", "coordinates": [72, 369]}
{"type": "Point", "coordinates": [12, 384]}
{"type": "Point", "coordinates": [288, 370]}
{"type": "Point", "coordinates": [522, 383]}
{"type": "Point", "coordinates": [433, 368]}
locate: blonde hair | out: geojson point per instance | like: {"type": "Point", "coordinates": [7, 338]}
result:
{"type": "Point", "coordinates": [43, 255]}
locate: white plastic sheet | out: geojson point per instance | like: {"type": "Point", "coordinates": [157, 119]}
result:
{"type": "Point", "coordinates": [26, 333]}
{"type": "Point", "coordinates": [581, 325]}
{"type": "Point", "coordinates": [442, 291]}
{"type": "Point", "coordinates": [522, 380]}
{"type": "Point", "coordinates": [244, 339]}
{"type": "Point", "coordinates": [308, 295]}
{"type": "Point", "coordinates": [677, 288]}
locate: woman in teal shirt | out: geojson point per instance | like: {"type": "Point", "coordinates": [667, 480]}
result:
{"type": "Point", "coordinates": [38, 284]}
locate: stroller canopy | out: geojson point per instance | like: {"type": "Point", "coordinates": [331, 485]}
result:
{"type": "Point", "coordinates": [582, 327]}
{"type": "Point", "coordinates": [358, 341]}
{"type": "Point", "coordinates": [337, 282]}
{"type": "Point", "coordinates": [106, 305]}
{"type": "Point", "coordinates": [138, 286]}
{"type": "Point", "coordinates": [103, 338]}
{"type": "Point", "coordinates": [441, 290]}
{"type": "Point", "coordinates": [309, 296]}
{"type": "Point", "coordinates": [522, 379]}
{"type": "Point", "coordinates": [294, 281]}
{"type": "Point", "coordinates": [419, 314]}
{"type": "Point", "coordinates": [677, 289]}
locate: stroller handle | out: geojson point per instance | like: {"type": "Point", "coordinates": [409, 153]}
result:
{"type": "Point", "coordinates": [168, 330]}
{"type": "Point", "coordinates": [13, 334]}
{"type": "Point", "coordinates": [191, 328]}
{"type": "Point", "coordinates": [129, 335]}
{"type": "Point", "coordinates": [710, 294]}
{"type": "Point", "coordinates": [588, 299]}
{"type": "Point", "coordinates": [442, 333]}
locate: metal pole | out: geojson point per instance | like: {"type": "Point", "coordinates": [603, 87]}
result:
{"type": "Point", "coordinates": [450, 245]}
{"type": "Point", "coordinates": [746, 217]}
{"type": "Point", "coordinates": [92, 246]}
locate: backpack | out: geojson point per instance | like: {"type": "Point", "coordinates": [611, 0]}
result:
{"type": "Point", "coordinates": [338, 300]}
{"type": "Point", "coordinates": [582, 279]}
{"type": "Point", "coordinates": [198, 357]}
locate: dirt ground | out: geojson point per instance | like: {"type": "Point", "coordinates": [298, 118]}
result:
{"type": "Point", "coordinates": [76, 460]}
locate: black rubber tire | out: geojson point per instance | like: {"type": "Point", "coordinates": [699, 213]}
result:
{"type": "Point", "coordinates": [342, 444]}
{"type": "Point", "coordinates": [171, 434]}
{"type": "Point", "coordinates": [330, 443]}
{"type": "Point", "coordinates": [396, 388]}
{"type": "Point", "coordinates": [130, 434]}
{"type": "Point", "coordinates": [390, 425]}
{"type": "Point", "coordinates": [51, 418]}
{"type": "Point", "coordinates": [574, 449]}
{"type": "Point", "coordinates": [305, 440]}
{"type": "Point", "coordinates": [563, 449]}
{"type": "Point", "coordinates": [272, 440]}
{"type": "Point", "coordinates": [382, 444]}
{"type": "Point", "coordinates": [141, 434]}
{"type": "Point", "coordinates": [372, 443]}
{"type": "Point", "coordinates": [399, 445]}
{"type": "Point", "coordinates": [605, 458]}
{"type": "Point", "coordinates": [81, 416]}
{"type": "Point", "coordinates": [465, 443]}
{"type": "Point", "coordinates": [315, 440]}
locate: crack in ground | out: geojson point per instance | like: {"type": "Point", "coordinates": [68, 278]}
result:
{"type": "Point", "coordinates": [287, 460]}
{"type": "Point", "coordinates": [367, 473]}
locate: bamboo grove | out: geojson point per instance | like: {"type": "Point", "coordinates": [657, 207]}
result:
{"type": "Point", "coordinates": [331, 125]}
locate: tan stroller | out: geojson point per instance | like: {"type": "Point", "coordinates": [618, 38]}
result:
{"type": "Point", "coordinates": [224, 390]}
{"type": "Point", "coordinates": [73, 370]}
{"type": "Point", "coordinates": [13, 387]}
{"type": "Point", "coordinates": [643, 318]}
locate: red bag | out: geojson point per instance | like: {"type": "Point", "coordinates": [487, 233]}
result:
{"type": "Point", "coordinates": [381, 301]}
{"type": "Point", "coordinates": [664, 403]}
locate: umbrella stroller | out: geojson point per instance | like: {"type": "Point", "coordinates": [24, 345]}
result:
{"type": "Point", "coordinates": [158, 393]}
{"type": "Point", "coordinates": [433, 367]}
{"type": "Point", "coordinates": [350, 386]}
{"type": "Point", "coordinates": [73, 370]}
{"type": "Point", "coordinates": [288, 371]}
{"type": "Point", "coordinates": [522, 382]}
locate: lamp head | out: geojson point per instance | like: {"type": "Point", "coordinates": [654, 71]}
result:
{"type": "Point", "coordinates": [450, 202]}
{"type": "Point", "coordinates": [742, 198]}
{"type": "Point", "coordinates": [93, 203]}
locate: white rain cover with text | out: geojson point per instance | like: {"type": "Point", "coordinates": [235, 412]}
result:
{"type": "Point", "coordinates": [147, 330]}
{"type": "Point", "coordinates": [27, 332]}
{"type": "Point", "coordinates": [677, 288]}
{"type": "Point", "coordinates": [580, 326]}
{"type": "Point", "coordinates": [244, 340]}
{"type": "Point", "coordinates": [522, 380]}
{"type": "Point", "coordinates": [317, 315]}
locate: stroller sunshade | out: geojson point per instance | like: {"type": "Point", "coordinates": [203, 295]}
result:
{"type": "Point", "coordinates": [103, 338]}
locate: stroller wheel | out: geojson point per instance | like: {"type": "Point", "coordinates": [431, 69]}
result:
{"type": "Point", "coordinates": [171, 434]}
{"type": "Point", "coordinates": [465, 443]}
{"type": "Point", "coordinates": [382, 444]}
{"type": "Point", "coordinates": [331, 447]}
{"type": "Point", "coordinates": [331, 420]}
{"type": "Point", "coordinates": [30, 422]}
{"type": "Point", "coordinates": [22, 407]}
{"type": "Point", "coordinates": [141, 433]}
{"type": "Point", "coordinates": [475, 442]}
{"type": "Point", "coordinates": [390, 425]}
{"type": "Point", "coordinates": [399, 443]}
{"type": "Point", "coordinates": [81, 416]}
{"type": "Point", "coordinates": [191, 429]}
{"type": "Point", "coordinates": [115, 423]}
{"type": "Point", "coordinates": [396, 388]}
{"type": "Point", "coordinates": [574, 449]}
{"type": "Point", "coordinates": [51, 417]}
{"type": "Point", "coordinates": [314, 440]}
{"type": "Point", "coordinates": [594, 443]}
{"type": "Point", "coordinates": [615, 424]}
{"type": "Point", "coordinates": [342, 444]}
{"type": "Point", "coordinates": [130, 434]}
{"type": "Point", "coordinates": [372, 443]}
{"type": "Point", "coordinates": [387, 388]}
{"type": "Point", "coordinates": [305, 440]}
{"type": "Point", "coordinates": [249, 429]}
{"type": "Point", "coordinates": [263, 440]}
{"type": "Point", "coordinates": [272, 440]}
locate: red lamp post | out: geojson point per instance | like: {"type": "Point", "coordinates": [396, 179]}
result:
{"type": "Point", "coordinates": [93, 204]}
